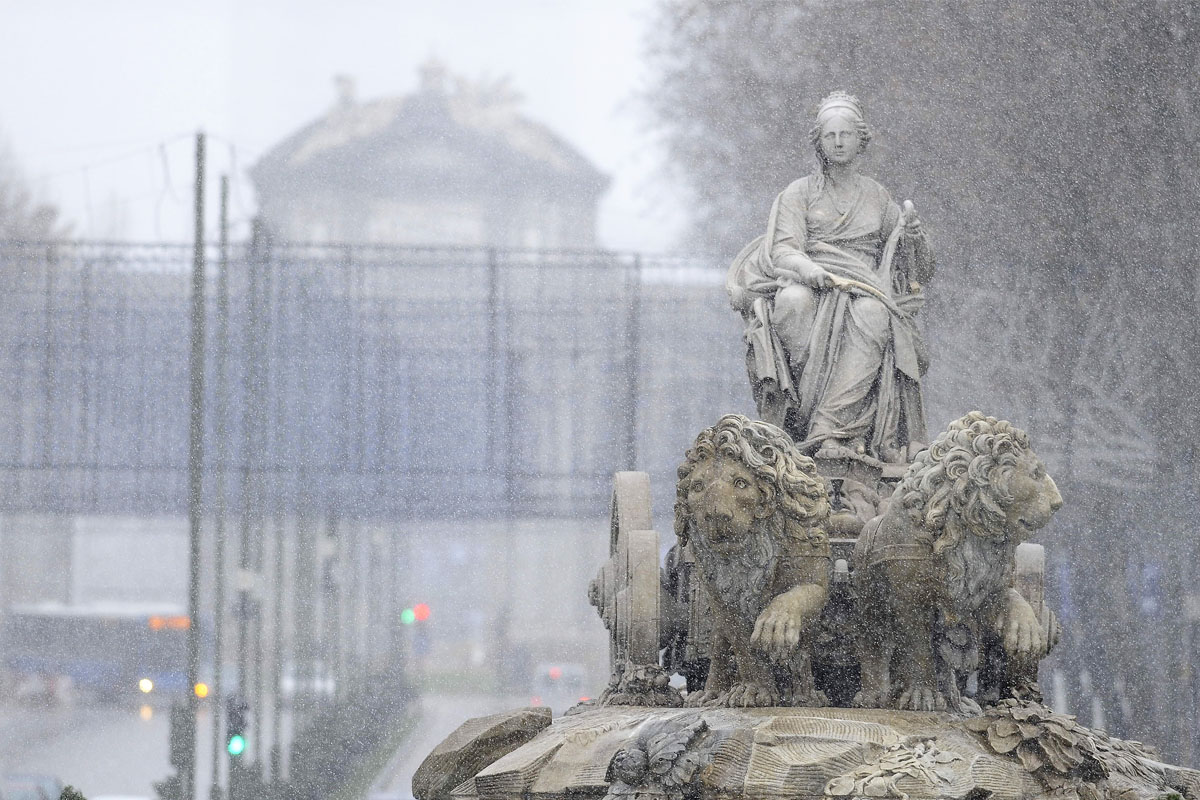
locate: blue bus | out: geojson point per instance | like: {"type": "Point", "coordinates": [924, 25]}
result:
{"type": "Point", "coordinates": [109, 648]}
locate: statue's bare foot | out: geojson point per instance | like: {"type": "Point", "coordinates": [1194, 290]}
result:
{"type": "Point", "coordinates": [921, 698]}
{"type": "Point", "coordinates": [704, 697]}
{"type": "Point", "coordinates": [842, 448]}
{"type": "Point", "coordinates": [750, 695]}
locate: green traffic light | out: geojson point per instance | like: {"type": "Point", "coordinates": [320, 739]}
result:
{"type": "Point", "coordinates": [408, 616]}
{"type": "Point", "coordinates": [237, 745]}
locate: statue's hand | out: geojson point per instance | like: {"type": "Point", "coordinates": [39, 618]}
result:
{"type": "Point", "coordinates": [1021, 628]}
{"type": "Point", "coordinates": [908, 215]}
{"type": "Point", "coordinates": [814, 277]}
{"type": "Point", "coordinates": [795, 268]}
{"type": "Point", "coordinates": [818, 278]}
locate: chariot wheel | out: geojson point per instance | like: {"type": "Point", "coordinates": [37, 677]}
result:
{"type": "Point", "coordinates": [626, 591]}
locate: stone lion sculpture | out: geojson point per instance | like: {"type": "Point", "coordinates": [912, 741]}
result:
{"type": "Point", "coordinates": [933, 574]}
{"type": "Point", "coordinates": [750, 510]}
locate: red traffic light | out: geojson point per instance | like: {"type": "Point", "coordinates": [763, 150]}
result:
{"type": "Point", "coordinates": [421, 612]}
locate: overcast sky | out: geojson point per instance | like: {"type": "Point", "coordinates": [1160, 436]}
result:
{"type": "Point", "coordinates": [100, 101]}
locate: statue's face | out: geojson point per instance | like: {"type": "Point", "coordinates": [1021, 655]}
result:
{"type": "Point", "coordinates": [840, 142]}
{"type": "Point", "coordinates": [1035, 498]}
{"type": "Point", "coordinates": [724, 498]}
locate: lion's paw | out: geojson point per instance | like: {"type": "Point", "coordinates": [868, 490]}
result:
{"type": "Point", "coordinates": [868, 699]}
{"type": "Point", "coordinates": [704, 697]}
{"type": "Point", "coordinates": [959, 703]}
{"type": "Point", "coordinates": [921, 698]}
{"type": "Point", "coordinates": [750, 695]}
{"type": "Point", "coordinates": [967, 707]}
{"type": "Point", "coordinates": [812, 699]}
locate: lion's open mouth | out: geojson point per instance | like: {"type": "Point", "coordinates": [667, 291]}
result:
{"type": "Point", "coordinates": [717, 526]}
{"type": "Point", "coordinates": [719, 536]}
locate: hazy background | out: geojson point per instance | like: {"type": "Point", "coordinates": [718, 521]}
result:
{"type": "Point", "coordinates": [93, 94]}
{"type": "Point", "coordinates": [439, 425]}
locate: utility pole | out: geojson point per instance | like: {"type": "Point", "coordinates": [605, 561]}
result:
{"type": "Point", "coordinates": [491, 382]}
{"type": "Point", "coordinates": [263, 358]}
{"type": "Point", "coordinates": [195, 470]}
{"type": "Point", "coordinates": [250, 507]}
{"type": "Point", "coordinates": [218, 698]}
{"type": "Point", "coordinates": [275, 753]}
{"type": "Point", "coordinates": [633, 360]}
{"type": "Point", "coordinates": [270, 681]}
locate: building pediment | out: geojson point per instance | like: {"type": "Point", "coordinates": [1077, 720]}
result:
{"type": "Point", "coordinates": [465, 133]}
{"type": "Point", "coordinates": [459, 166]}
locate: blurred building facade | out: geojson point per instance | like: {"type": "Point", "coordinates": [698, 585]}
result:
{"type": "Point", "coordinates": [455, 163]}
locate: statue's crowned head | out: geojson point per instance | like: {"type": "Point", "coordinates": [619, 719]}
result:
{"type": "Point", "coordinates": [840, 103]}
{"type": "Point", "coordinates": [844, 108]}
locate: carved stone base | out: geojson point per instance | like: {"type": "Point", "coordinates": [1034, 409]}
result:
{"type": "Point", "coordinates": [812, 753]}
{"type": "Point", "coordinates": [641, 685]}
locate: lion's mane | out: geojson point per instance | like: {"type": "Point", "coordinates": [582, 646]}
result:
{"type": "Point", "coordinates": [785, 475]}
{"type": "Point", "coordinates": [962, 480]}
{"type": "Point", "coordinates": [956, 491]}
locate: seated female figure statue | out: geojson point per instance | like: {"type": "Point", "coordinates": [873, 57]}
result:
{"type": "Point", "coordinates": [829, 295]}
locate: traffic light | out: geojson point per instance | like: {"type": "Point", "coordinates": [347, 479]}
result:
{"type": "Point", "coordinates": [182, 737]}
{"type": "Point", "coordinates": [418, 613]}
{"type": "Point", "coordinates": [235, 726]}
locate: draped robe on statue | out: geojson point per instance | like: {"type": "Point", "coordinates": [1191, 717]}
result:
{"type": "Point", "coordinates": [841, 364]}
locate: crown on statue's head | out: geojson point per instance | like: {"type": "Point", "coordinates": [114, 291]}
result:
{"type": "Point", "coordinates": [840, 101]}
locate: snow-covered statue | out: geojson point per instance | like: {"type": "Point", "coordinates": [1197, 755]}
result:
{"type": "Point", "coordinates": [829, 295]}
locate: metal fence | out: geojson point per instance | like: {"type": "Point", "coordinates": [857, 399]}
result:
{"type": "Point", "coordinates": [362, 380]}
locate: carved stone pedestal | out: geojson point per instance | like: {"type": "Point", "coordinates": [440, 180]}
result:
{"type": "Point", "coordinates": [1014, 752]}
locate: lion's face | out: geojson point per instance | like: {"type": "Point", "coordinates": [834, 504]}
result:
{"type": "Point", "coordinates": [724, 499]}
{"type": "Point", "coordinates": [1035, 498]}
